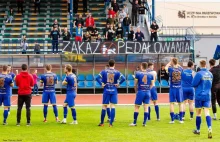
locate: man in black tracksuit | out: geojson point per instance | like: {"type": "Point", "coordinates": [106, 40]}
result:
{"type": "Point", "coordinates": [153, 28]}
{"type": "Point", "coordinates": [55, 35]}
{"type": "Point", "coordinates": [135, 7]}
{"type": "Point", "coordinates": [215, 70]}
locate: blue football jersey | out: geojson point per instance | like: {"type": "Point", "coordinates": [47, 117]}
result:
{"type": "Point", "coordinates": [203, 84]}
{"type": "Point", "coordinates": [144, 80]}
{"type": "Point", "coordinates": [187, 77]}
{"type": "Point", "coordinates": [175, 75]}
{"type": "Point", "coordinates": [49, 80]}
{"type": "Point", "coordinates": [12, 75]}
{"type": "Point", "coordinates": [5, 82]}
{"type": "Point", "coordinates": [71, 82]}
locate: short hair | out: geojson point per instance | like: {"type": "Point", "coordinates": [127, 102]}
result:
{"type": "Point", "coordinates": [212, 62]}
{"type": "Point", "coordinates": [162, 64]}
{"type": "Point", "coordinates": [48, 67]}
{"type": "Point", "coordinates": [24, 67]}
{"type": "Point", "coordinates": [175, 61]}
{"type": "Point", "coordinates": [144, 65]}
{"type": "Point", "coordinates": [111, 63]}
{"type": "Point", "coordinates": [107, 66]}
{"type": "Point", "coordinates": [74, 71]}
{"type": "Point", "coordinates": [69, 68]}
{"type": "Point", "coordinates": [150, 64]}
{"type": "Point", "coordinates": [9, 65]}
{"type": "Point", "coordinates": [4, 68]}
{"type": "Point", "coordinates": [190, 64]}
{"type": "Point", "coordinates": [202, 63]}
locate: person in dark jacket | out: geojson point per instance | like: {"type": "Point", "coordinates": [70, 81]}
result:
{"type": "Point", "coordinates": [37, 48]}
{"type": "Point", "coordinates": [66, 35]}
{"type": "Point", "coordinates": [131, 35]}
{"type": "Point", "coordinates": [10, 15]}
{"type": "Point", "coordinates": [162, 73]}
{"type": "Point", "coordinates": [75, 6]}
{"type": "Point", "coordinates": [139, 36]}
{"type": "Point", "coordinates": [154, 28]}
{"type": "Point", "coordinates": [135, 7]}
{"type": "Point", "coordinates": [215, 91]}
{"type": "Point", "coordinates": [110, 33]}
{"type": "Point", "coordinates": [84, 5]}
{"type": "Point", "coordinates": [24, 81]}
{"type": "Point", "coordinates": [20, 6]}
{"type": "Point", "coordinates": [37, 6]}
{"type": "Point", "coordinates": [126, 24]}
{"type": "Point", "coordinates": [142, 14]}
{"type": "Point", "coordinates": [55, 35]}
{"type": "Point", "coordinates": [119, 31]}
{"type": "Point", "coordinates": [78, 21]}
{"type": "Point", "coordinates": [115, 6]}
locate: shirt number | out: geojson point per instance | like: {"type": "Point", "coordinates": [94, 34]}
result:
{"type": "Point", "coordinates": [50, 80]}
{"type": "Point", "coordinates": [144, 79]}
{"type": "Point", "coordinates": [2, 82]}
{"type": "Point", "coordinates": [110, 78]}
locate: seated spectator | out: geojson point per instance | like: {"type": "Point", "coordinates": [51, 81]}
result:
{"type": "Point", "coordinates": [66, 35]}
{"type": "Point", "coordinates": [119, 31]}
{"type": "Point", "coordinates": [79, 33]}
{"type": "Point", "coordinates": [115, 6]}
{"type": "Point", "coordinates": [111, 12]}
{"type": "Point", "coordinates": [90, 21]}
{"type": "Point", "coordinates": [10, 15]}
{"type": "Point", "coordinates": [139, 36]}
{"type": "Point", "coordinates": [111, 33]}
{"type": "Point", "coordinates": [162, 74]}
{"type": "Point", "coordinates": [94, 33]}
{"type": "Point", "coordinates": [105, 30]}
{"type": "Point", "coordinates": [111, 21]}
{"type": "Point", "coordinates": [118, 38]}
{"type": "Point", "coordinates": [126, 24]}
{"type": "Point", "coordinates": [99, 38]}
{"type": "Point", "coordinates": [131, 35]}
{"type": "Point", "coordinates": [24, 45]}
{"type": "Point", "coordinates": [121, 16]}
{"type": "Point", "coordinates": [78, 21]}
{"type": "Point", "coordinates": [56, 25]}
{"type": "Point", "coordinates": [36, 48]}
{"type": "Point", "coordinates": [87, 37]}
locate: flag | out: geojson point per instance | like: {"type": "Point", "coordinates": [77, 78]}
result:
{"type": "Point", "coordinates": [217, 53]}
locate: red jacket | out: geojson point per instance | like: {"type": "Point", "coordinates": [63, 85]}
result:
{"type": "Point", "coordinates": [111, 12]}
{"type": "Point", "coordinates": [24, 81]}
{"type": "Point", "coordinates": [90, 22]}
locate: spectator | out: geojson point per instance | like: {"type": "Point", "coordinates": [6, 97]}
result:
{"type": "Point", "coordinates": [68, 2]}
{"type": "Point", "coordinates": [162, 74]}
{"type": "Point", "coordinates": [35, 89]}
{"type": "Point", "coordinates": [126, 24]}
{"type": "Point", "coordinates": [111, 20]}
{"type": "Point", "coordinates": [131, 35]}
{"type": "Point", "coordinates": [121, 16]}
{"type": "Point", "coordinates": [79, 33]}
{"type": "Point", "coordinates": [75, 6]}
{"type": "Point", "coordinates": [87, 37]}
{"type": "Point", "coordinates": [99, 38]}
{"type": "Point", "coordinates": [24, 44]}
{"type": "Point", "coordinates": [24, 81]}
{"type": "Point", "coordinates": [20, 6]}
{"type": "Point", "coordinates": [111, 33]}
{"type": "Point", "coordinates": [125, 8]}
{"type": "Point", "coordinates": [139, 36]}
{"type": "Point", "coordinates": [84, 5]}
{"type": "Point", "coordinates": [142, 14]}
{"type": "Point", "coordinates": [90, 21]}
{"type": "Point", "coordinates": [94, 34]}
{"type": "Point", "coordinates": [37, 6]}
{"type": "Point", "coordinates": [10, 15]}
{"type": "Point", "coordinates": [56, 25]}
{"type": "Point", "coordinates": [55, 35]}
{"type": "Point", "coordinates": [37, 48]}
{"type": "Point", "coordinates": [78, 21]}
{"type": "Point", "coordinates": [115, 6]}
{"type": "Point", "coordinates": [153, 28]}
{"type": "Point", "coordinates": [111, 12]}
{"type": "Point", "coordinates": [66, 35]}
{"type": "Point", "coordinates": [107, 2]}
{"type": "Point", "coordinates": [119, 31]}
{"type": "Point", "coordinates": [135, 7]}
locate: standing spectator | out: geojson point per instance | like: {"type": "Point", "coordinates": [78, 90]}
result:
{"type": "Point", "coordinates": [115, 6]}
{"type": "Point", "coordinates": [107, 2]}
{"type": "Point", "coordinates": [78, 21]}
{"type": "Point", "coordinates": [20, 6]}
{"type": "Point", "coordinates": [35, 89]}
{"type": "Point", "coordinates": [110, 20]}
{"type": "Point", "coordinates": [24, 44]}
{"type": "Point", "coordinates": [66, 35]}
{"type": "Point", "coordinates": [135, 7]}
{"type": "Point", "coordinates": [24, 81]}
{"type": "Point", "coordinates": [37, 48]}
{"type": "Point", "coordinates": [94, 34]}
{"type": "Point", "coordinates": [10, 15]}
{"type": "Point", "coordinates": [79, 33]}
{"type": "Point", "coordinates": [68, 2]}
{"type": "Point", "coordinates": [119, 31]}
{"type": "Point", "coordinates": [162, 73]}
{"type": "Point", "coordinates": [153, 28]}
{"type": "Point", "coordinates": [131, 35]}
{"type": "Point", "coordinates": [121, 16]}
{"type": "Point", "coordinates": [126, 24]}
{"type": "Point", "coordinates": [90, 21]}
{"type": "Point", "coordinates": [110, 33]}
{"type": "Point", "coordinates": [75, 6]}
{"type": "Point", "coordinates": [55, 35]}
{"type": "Point", "coordinates": [125, 8]}
{"type": "Point", "coordinates": [142, 13]}
{"type": "Point", "coordinates": [87, 37]}
{"type": "Point", "coordinates": [106, 30]}
{"type": "Point", "coordinates": [111, 12]}
{"type": "Point", "coordinates": [84, 5]}
{"type": "Point", "coordinates": [56, 25]}
{"type": "Point", "coordinates": [37, 6]}
{"type": "Point", "coordinates": [139, 36]}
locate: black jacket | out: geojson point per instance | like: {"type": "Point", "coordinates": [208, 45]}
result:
{"type": "Point", "coordinates": [216, 76]}
{"type": "Point", "coordinates": [135, 7]}
{"type": "Point", "coordinates": [126, 21]}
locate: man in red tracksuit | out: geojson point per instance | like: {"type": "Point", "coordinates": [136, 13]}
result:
{"type": "Point", "coordinates": [24, 81]}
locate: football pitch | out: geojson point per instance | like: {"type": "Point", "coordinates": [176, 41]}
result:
{"type": "Point", "coordinates": [88, 131]}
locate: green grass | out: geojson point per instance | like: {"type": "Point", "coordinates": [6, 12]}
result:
{"type": "Point", "coordinates": [88, 131]}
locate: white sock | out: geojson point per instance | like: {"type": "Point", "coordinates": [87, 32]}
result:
{"type": "Point", "coordinates": [64, 119]}
{"type": "Point", "coordinates": [215, 115]}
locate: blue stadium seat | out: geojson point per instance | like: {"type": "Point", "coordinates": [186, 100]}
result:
{"type": "Point", "coordinates": [97, 85]}
{"type": "Point", "coordinates": [89, 84]}
{"type": "Point", "coordinates": [81, 77]}
{"type": "Point", "coordinates": [157, 83]}
{"type": "Point", "coordinates": [124, 84]}
{"type": "Point", "coordinates": [131, 83]}
{"type": "Point", "coordinates": [81, 84]}
{"type": "Point", "coordinates": [58, 77]}
{"type": "Point", "coordinates": [130, 77]}
{"type": "Point", "coordinates": [89, 77]}
{"type": "Point", "coordinates": [164, 83]}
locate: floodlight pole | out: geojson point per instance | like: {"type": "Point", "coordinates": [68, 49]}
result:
{"type": "Point", "coordinates": [153, 10]}
{"type": "Point", "coordinates": [71, 17]}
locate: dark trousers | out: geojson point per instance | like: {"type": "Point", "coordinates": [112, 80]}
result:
{"type": "Point", "coordinates": [35, 89]}
{"type": "Point", "coordinates": [215, 97]}
{"type": "Point", "coordinates": [21, 100]}
{"type": "Point", "coordinates": [153, 37]}
{"type": "Point", "coordinates": [134, 19]}
{"type": "Point", "coordinates": [55, 45]}
{"type": "Point", "coordinates": [37, 7]}
{"type": "Point", "coordinates": [20, 6]}
{"type": "Point", "coordinates": [84, 5]}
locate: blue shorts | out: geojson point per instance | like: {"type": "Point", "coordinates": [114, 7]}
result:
{"type": "Point", "coordinates": [142, 97]}
{"type": "Point", "coordinates": [5, 99]}
{"type": "Point", "coordinates": [70, 99]}
{"type": "Point", "coordinates": [49, 96]}
{"type": "Point", "coordinates": [188, 93]}
{"type": "Point", "coordinates": [202, 104]}
{"type": "Point", "coordinates": [153, 92]}
{"type": "Point", "coordinates": [176, 95]}
{"type": "Point", "coordinates": [110, 97]}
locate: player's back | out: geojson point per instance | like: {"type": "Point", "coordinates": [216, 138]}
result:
{"type": "Point", "coordinates": [49, 80]}
{"type": "Point", "coordinates": [144, 80]}
{"type": "Point", "coordinates": [175, 74]}
{"type": "Point", "coordinates": [12, 75]}
{"type": "Point", "coordinates": [5, 82]}
{"type": "Point", "coordinates": [187, 78]}
{"type": "Point", "coordinates": [71, 82]}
